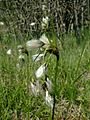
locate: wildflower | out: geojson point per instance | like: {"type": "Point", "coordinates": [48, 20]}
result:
{"type": "Point", "coordinates": [36, 88]}
{"type": "Point", "coordinates": [45, 22]}
{"type": "Point", "coordinates": [9, 52]}
{"type": "Point", "coordinates": [37, 57]}
{"type": "Point", "coordinates": [34, 44]}
{"type": "Point", "coordinates": [41, 70]}
{"type": "Point", "coordinates": [1, 23]}
{"type": "Point", "coordinates": [49, 47]}
{"type": "Point", "coordinates": [33, 23]}
{"type": "Point", "coordinates": [21, 57]}
{"type": "Point", "coordinates": [48, 84]}
{"type": "Point", "coordinates": [19, 47]}
{"type": "Point", "coordinates": [49, 99]}
{"type": "Point", "coordinates": [45, 41]}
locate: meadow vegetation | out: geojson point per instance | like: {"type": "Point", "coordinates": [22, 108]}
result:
{"type": "Point", "coordinates": [45, 60]}
{"type": "Point", "coordinates": [72, 84]}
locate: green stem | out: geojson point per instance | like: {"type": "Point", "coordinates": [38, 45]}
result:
{"type": "Point", "coordinates": [78, 65]}
{"type": "Point", "coordinates": [55, 86]}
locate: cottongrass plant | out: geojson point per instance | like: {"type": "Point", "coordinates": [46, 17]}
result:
{"type": "Point", "coordinates": [2, 23]}
{"type": "Point", "coordinates": [37, 57]}
{"type": "Point", "coordinates": [36, 87]}
{"type": "Point", "coordinates": [49, 99]}
{"type": "Point", "coordinates": [23, 96]}
{"type": "Point", "coordinates": [45, 21]}
{"type": "Point", "coordinates": [48, 84]}
{"type": "Point", "coordinates": [9, 52]}
{"type": "Point", "coordinates": [32, 24]}
{"type": "Point", "coordinates": [45, 46]}
{"type": "Point", "coordinates": [41, 71]}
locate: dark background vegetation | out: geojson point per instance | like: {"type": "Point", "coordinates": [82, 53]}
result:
{"type": "Point", "coordinates": [64, 16]}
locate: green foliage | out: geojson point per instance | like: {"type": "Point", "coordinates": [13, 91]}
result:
{"type": "Point", "coordinates": [73, 83]}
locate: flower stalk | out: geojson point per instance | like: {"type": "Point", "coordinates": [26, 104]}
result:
{"type": "Point", "coordinates": [53, 49]}
{"type": "Point", "coordinates": [55, 86]}
{"type": "Point", "coordinates": [46, 47]}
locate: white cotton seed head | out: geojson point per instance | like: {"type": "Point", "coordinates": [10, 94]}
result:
{"type": "Point", "coordinates": [9, 52]}
{"type": "Point", "coordinates": [2, 23]}
{"type": "Point", "coordinates": [36, 88]}
{"type": "Point", "coordinates": [45, 20]}
{"type": "Point", "coordinates": [49, 84]}
{"type": "Point", "coordinates": [33, 23]}
{"type": "Point", "coordinates": [49, 99]}
{"type": "Point", "coordinates": [44, 39]}
{"type": "Point", "coordinates": [19, 47]}
{"type": "Point", "coordinates": [20, 51]}
{"type": "Point", "coordinates": [37, 57]}
{"type": "Point", "coordinates": [41, 71]}
{"type": "Point", "coordinates": [21, 57]}
{"type": "Point", "coordinates": [33, 44]}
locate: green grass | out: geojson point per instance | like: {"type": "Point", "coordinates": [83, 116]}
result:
{"type": "Point", "coordinates": [73, 83]}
